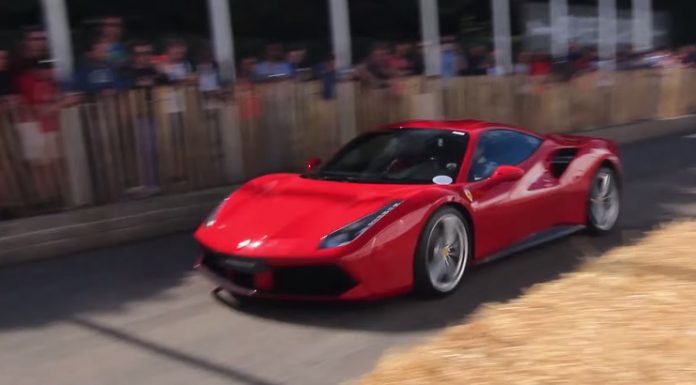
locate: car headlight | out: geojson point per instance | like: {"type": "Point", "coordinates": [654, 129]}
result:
{"type": "Point", "coordinates": [212, 217]}
{"type": "Point", "coordinates": [352, 231]}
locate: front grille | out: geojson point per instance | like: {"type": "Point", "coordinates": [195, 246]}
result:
{"type": "Point", "coordinates": [323, 280]}
{"type": "Point", "coordinates": [314, 280]}
{"type": "Point", "coordinates": [238, 270]}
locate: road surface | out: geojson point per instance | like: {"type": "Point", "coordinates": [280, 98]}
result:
{"type": "Point", "coordinates": [136, 314]}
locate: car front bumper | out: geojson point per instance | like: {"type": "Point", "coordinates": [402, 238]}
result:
{"type": "Point", "coordinates": [339, 278]}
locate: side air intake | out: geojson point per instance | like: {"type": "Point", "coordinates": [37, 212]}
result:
{"type": "Point", "coordinates": [561, 159]}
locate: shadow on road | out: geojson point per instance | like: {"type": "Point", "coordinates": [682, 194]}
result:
{"type": "Point", "coordinates": [105, 280]}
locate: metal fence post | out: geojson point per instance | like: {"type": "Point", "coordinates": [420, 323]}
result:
{"type": "Point", "coordinates": [608, 31]}
{"type": "Point", "coordinates": [501, 35]}
{"type": "Point", "coordinates": [642, 18]}
{"type": "Point", "coordinates": [560, 33]}
{"type": "Point", "coordinates": [430, 34]}
{"type": "Point", "coordinates": [56, 19]}
{"type": "Point", "coordinates": [345, 91]}
{"type": "Point", "coordinates": [222, 37]}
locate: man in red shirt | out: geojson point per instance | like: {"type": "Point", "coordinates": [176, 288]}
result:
{"type": "Point", "coordinates": [39, 127]}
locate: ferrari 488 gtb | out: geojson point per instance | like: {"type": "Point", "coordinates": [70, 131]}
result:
{"type": "Point", "coordinates": [408, 207]}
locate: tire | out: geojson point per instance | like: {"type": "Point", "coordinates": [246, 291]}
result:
{"type": "Point", "coordinates": [603, 203]}
{"type": "Point", "coordinates": [444, 251]}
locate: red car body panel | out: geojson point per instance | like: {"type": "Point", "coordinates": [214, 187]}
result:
{"type": "Point", "coordinates": [282, 218]}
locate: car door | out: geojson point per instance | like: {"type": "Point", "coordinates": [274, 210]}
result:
{"type": "Point", "coordinates": [501, 211]}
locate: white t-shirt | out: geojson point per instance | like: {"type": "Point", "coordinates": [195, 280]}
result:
{"type": "Point", "coordinates": [177, 72]}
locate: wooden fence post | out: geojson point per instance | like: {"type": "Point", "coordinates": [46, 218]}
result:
{"type": "Point", "coordinates": [429, 103]}
{"type": "Point", "coordinates": [231, 138]}
{"type": "Point", "coordinates": [79, 183]}
{"type": "Point", "coordinates": [347, 118]}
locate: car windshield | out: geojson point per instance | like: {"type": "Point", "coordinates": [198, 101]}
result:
{"type": "Point", "coordinates": [399, 156]}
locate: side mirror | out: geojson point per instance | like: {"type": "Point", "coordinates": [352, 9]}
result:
{"type": "Point", "coordinates": [313, 164]}
{"type": "Point", "coordinates": [506, 173]}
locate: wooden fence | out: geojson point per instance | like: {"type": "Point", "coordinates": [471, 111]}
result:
{"type": "Point", "coordinates": [173, 140]}
{"type": "Point", "coordinates": [32, 174]}
{"type": "Point", "coordinates": [164, 140]}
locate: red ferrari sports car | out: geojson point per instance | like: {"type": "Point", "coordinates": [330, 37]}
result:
{"type": "Point", "coordinates": [408, 207]}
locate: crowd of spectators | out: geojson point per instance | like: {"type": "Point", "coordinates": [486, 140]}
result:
{"type": "Point", "coordinates": [109, 65]}
{"type": "Point", "coordinates": [30, 92]}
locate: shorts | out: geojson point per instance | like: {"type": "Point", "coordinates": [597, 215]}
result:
{"type": "Point", "coordinates": [38, 146]}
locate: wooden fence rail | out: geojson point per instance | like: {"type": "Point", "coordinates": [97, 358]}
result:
{"type": "Point", "coordinates": [172, 140]}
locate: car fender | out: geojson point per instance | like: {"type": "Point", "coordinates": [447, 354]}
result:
{"type": "Point", "coordinates": [393, 242]}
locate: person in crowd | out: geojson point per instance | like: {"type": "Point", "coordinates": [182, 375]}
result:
{"type": "Point", "coordinates": [415, 56]}
{"type": "Point", "coordinates": [593, 60]}
{"type": "Point", "coordinates": [275, 67]}
{"type": "Point", "coordinates": [477, 59]}
{"type": "Point", "coordinates": [375, 71]}
{"type": "Point", "coordinates": [7, 87]}
{"type": "Point", "coordinates": [452, 61]}
{"type": "Point", "coordinates": [98, 76]}
{"type": "Point", "coordinates": [32, 48]}
{"type": "Point", "coordinates": [328, 76]}
{"type": "Point", "coordinates": [399, 67]}
{"type": "Point", "coordinates": [112, 34]}
{"type": "Point", "coordinates": [522, 63]}
{"type": "Point", "coordinates": [624, 60]}
{"type": "Point", "coordinates": [142, 75]}
{"type": "Point", "coordinates": [561, 69]}
{"type": "Point", "coordinates": [175, 67]}
{"type": "Point", "coordinates": [39, 129]}
{"type": "Point", "coordinates": [178, 72]}
{"type": "Point", "coordinates": [492, 68]}
{"type": "Point", "coordinates": [575, 53]}
{"type": "Point", "coordinates": [669, 59]}
{"type": "Point", "coordinates": [540, 64]}
{"type": "Point", "coordinates": [583, 63]}
{"type": "Point", "coordinates": [250, 106]}
{"type": "Point", "coordinates": [301, 68]}
{"type": "Point", "coordinates": [208, 73]}
{"type": "Point", "coordinates": [141, 71]}
{"type": "Point", "coordinates": [245, 75]}
{"type": "Point", "coordinates": [399, 60]}
{"type": "Point", "coordinates": [689, 58]}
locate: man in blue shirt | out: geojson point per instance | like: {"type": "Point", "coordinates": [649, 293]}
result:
{"type": "Point", "coordinates": [275, 67]}
{"type": "Point", "coordinates": [98, 75]}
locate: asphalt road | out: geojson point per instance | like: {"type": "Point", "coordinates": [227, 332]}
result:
{"type": "Point", "coordinates": [136, 314]}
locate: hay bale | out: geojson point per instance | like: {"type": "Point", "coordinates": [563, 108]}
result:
{"type": "Point", "coordinates": [628, 317]}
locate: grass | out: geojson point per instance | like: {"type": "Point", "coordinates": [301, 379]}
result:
{"type": "Point", "coordinates": [628, 317]}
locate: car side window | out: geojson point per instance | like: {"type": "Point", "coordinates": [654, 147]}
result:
{"type": "Point", "coordinates": [500, 147]}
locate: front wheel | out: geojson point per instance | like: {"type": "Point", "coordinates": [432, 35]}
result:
{"type": "Point", "coordinates": [444, 250]}
{"type": "Point", "coordinates": [604, 202]}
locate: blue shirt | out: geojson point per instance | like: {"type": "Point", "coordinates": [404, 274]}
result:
{"type": "Point", "coordinates": [267, 70]}
{"type": "Point", "coordinates": [449, 64]}
{"type": "Point", "coordinates": [93, 78]}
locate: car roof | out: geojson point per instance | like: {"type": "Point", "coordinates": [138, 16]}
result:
{"type": "Point", "coordinates": [469, 126]}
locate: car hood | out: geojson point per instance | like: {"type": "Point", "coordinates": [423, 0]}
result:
{"type": "Point", "coordinates": [287, 215]}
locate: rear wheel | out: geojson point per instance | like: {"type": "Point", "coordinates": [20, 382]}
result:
{"type": "Point", "coordinates": [444, 251]}
{"type": "Point", "coordinates": [604, 202]}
